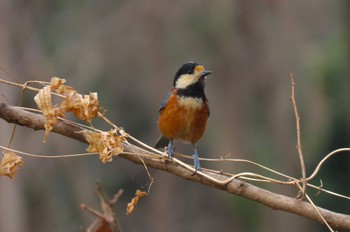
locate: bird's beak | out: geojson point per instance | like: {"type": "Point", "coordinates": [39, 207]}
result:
{"type": "Point", "coordinates": [205, 73]}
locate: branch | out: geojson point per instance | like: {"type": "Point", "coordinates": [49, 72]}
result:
{"type": "Point", "coordinates": [299, 148]}
{"type": "Point", "coordinates": [140, 156]}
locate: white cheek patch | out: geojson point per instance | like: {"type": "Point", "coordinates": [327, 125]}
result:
{"type": "Point", "coordinates": [190, 102]}
{"type": "Point", "coordinates": [186, 80]}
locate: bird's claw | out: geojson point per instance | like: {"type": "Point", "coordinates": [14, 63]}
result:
{"type": "Point", "coordinates": [196, 162]}
{"type": "Point", "coordinates": [170, 149]}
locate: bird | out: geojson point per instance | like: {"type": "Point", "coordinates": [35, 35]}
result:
{"type": "Point", "coordinates": [184, 112]}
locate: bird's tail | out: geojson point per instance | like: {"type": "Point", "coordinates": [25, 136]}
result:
{"type": "Point", "coordinates": [162, 142]}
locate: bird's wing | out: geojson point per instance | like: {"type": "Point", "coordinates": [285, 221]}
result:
{"type": "Point", "coordinates": [162, 142]}
{"type": "Point", "coordinates": [165, 101]}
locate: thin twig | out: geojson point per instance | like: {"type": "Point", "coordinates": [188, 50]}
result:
{"type": "Point", "coordinates": [152, 149]}
{"type": "Point", "coordinates": [122, 132]}
{"type": "Point", "coordinates": [47, 156]}
{"type": "Point", "coordinates": [299, 147]}
{"type": "Point", "coordinates": [315, 207]}
{"type": "Point", "coordinates": [324, 160]}
{"type": "Point", "coordinates": [9, 74]}
{"type": "Point", "coordinates": [146, 168]}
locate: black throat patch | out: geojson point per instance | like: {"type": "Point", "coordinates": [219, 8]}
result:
{"type": "Point", "coordinates": [195, 90]}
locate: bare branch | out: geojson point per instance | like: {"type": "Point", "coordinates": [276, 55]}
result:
{"type": "Point", "coordinates": [133, 153]}
{"type": "Point", "coordinates": [37, 121]}
{"type": "Point", "coordinates": [299, 147]}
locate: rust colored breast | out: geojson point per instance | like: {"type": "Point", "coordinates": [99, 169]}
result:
{"type": "Point", "coordinates": [183, 119]}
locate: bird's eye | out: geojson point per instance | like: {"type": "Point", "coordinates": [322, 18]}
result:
{"type": "Point", "coordinates": [189, 72]}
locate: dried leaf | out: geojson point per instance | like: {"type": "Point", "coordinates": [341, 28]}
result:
{"type": "Point", "coordinates": [84, 107]}
{"type": "Point", "coordinates": [9, 164]}
{"type": "Point", "coordinates": [131, 206]}
{"type": "Point", "coordinates": [107, 144]}
{"type": "Point", "coordinates": [57, 83]}
{"type": "Point", "coordinates": [43, 101]}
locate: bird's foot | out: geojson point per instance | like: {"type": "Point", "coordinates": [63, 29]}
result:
{"type": "Point", "coordinates": [196, 162]}
{"type": "Point", "coordinates": [171, 149]}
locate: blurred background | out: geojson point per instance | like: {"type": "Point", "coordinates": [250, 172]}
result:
{"type": "Point", "coordinates": [128, 52]}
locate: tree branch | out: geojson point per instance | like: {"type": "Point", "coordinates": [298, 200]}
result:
{"type": "Point", "coordinates": [140, 156]}
{"type": "Point", "coordinates": [299, 147]}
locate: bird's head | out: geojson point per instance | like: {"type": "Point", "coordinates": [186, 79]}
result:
{"type": "Point", "coordinates": [190, 74]}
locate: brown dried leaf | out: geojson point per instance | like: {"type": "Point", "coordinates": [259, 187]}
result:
{"type": "Point", "coordinates": [57, 84]}
{"type": "Point", "coordinates": [84, 107]}
{"type": "Point", "coordinates": [9, 164]}
{"type": "Point", "coordinates": [44, 103]}
{"type": "Point", "coordinates": [131, 206]}
{"type": "Point", "coordinates": [107, 144]}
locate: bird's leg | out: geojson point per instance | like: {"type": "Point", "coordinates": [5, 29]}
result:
{"type": "Point", "coordinates": [196, 164]}
{"type": "Point", "coordinates": [171, 149]}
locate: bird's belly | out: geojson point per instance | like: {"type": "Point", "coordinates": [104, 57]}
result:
{"type": "Point", "coordinates": [184, 119]}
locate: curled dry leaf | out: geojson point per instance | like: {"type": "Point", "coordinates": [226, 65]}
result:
{"type": "Point", "coordinates": [57, 83]}
{"type": "Point", "coordinates": [131, 206]}
{"type": "Point", "coordinates": [9, 164]}
{"type": "Point", "coordinates": [84, 107]}
{"type": "Point", "coordinates": [106, 143]}
{"type": "Point", "coordinates": [43, 100]}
